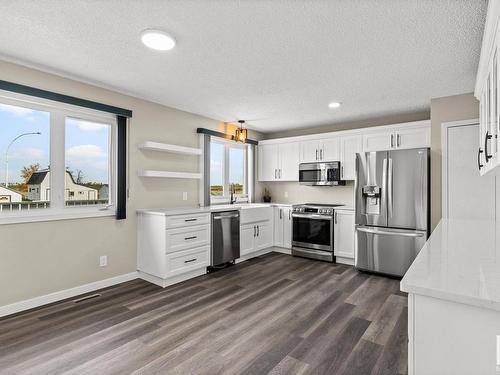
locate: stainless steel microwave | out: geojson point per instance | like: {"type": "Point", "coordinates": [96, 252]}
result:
{"type": "Point", "coordinates": [321, 174]}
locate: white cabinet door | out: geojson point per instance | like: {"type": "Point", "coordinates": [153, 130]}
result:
{"type": "Point", "coordinates": [309, 151]}
{"type": "Point", "coordinates": [289, 155]}
{"type": "Point", "coordinates": [268, 162]}
{"type": "Point", "coordinates": [287, 227]}
{"type": "Point", "coordinates": [264, 238]}
{"type": "Point", "coordinates": [412, 138]}
{"type": "Point", "coordinates": [343, 236]}
{"type": "Point", "coordinates": [349, 146]}
{"type": "Point", "coordinates": [247, 239]}
{"type": "Point", "coordinates": [330, 149]}
{"type": "Point", "coordinates": [278, 226]}
{"type": "Point", "coordinates": [378, 141]}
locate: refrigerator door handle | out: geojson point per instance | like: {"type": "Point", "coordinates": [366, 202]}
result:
{"type": "Point", "coordinates": [389, 187]}
{"type": "Point", "coordinates": [384, 233]}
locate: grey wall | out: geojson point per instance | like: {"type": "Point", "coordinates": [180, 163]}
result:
{"type": "Point", "coordinates": [41, 258]}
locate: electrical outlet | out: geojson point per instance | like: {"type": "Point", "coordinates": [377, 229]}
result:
{"type": "Point", "coordinates": [286, 194]}
{"type": "Point", "coordinates": [103, 260]}
{"type": "Point", "coordinates": [185, 196]}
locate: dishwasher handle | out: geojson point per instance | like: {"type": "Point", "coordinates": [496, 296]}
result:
{"type": "Point", "coordinates": [225, 216]}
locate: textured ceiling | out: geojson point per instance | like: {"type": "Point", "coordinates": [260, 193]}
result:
{"type": "Point", "coordinates": [275, 63]}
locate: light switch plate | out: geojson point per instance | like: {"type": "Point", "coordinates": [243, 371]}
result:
{"type": "Point", "coordinates": [185, 196]}
{"type": "Point", "coordinates": [286, 194]}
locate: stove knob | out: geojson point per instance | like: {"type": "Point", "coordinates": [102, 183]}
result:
{"type": "Point", "coordinates": [329, 211]}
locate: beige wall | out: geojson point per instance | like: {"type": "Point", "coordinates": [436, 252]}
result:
{"type": "Point", "coordinates": [450, 108]}
{"type": "Point", "coordinates": [40, 258]}
{"type": "Point", "coordinates": [311, 194]}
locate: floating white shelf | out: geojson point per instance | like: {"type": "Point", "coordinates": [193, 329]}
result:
{"type": "Point", "coordinates": [167, 174]}
{"type": "Point", "coordinates": [165, 147]}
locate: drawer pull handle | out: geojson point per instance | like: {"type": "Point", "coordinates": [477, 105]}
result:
{"type": "Point", "coordinates": [190, 260]}
{"type": "Point", "coordinates": [188, 220]}
{"type": "Point", "coordinates": [190, 238]}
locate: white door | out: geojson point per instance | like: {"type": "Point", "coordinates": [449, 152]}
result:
{"type": "Point", "coordinates": [264, 237]}
{"type": "Point", "coordinates": [343, 236]}
{"type": "Point", "coordinates": [268, 162]}
{"type": "Point", "coordinates": [330, 149]}
{"type": "Point", "coordinates": [289, 154]}
{"type": "Point", "coordinates": [413, 138]}
{"type": "Point", "coordinates": [309, 151]}
{"type": "Point", "coordinates": [247, 238]}
{"type": "Point", "coordinates": [378, 141]}
{"type": "Point", "coordinates": [278, 226]}
{"type": "Point", "coordinates": [287, 227]}
{"type": "Point", "coordinates": [466, 195]}
{"type": "Point", "coordinates": [349, 146]}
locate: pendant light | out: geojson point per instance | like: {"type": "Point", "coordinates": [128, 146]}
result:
{"type": "Point", "coordinates": [240, 135]}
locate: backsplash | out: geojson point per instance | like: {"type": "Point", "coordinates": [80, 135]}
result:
{"type": "Point", "coordinates": [293, 192]}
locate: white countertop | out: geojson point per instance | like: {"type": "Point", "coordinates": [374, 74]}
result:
{"type": "Point", "coordinates": [460, 262]}
{"type": "Point", "coordinates": [207, 209]}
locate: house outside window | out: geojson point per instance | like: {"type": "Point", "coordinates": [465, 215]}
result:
{"type": "Point", "coordinates": [58, 159]}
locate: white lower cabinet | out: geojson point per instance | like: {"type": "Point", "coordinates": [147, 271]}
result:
{"type": "Point", "coordinates": [283, 227]}
{"type": "Point", "coordinates": [171, 249]}
{"type": "Point", "coordinates": [255, 236]}
{"type": "Point", "coordinates": [343, 236]}
{"type": "Point", "coordinates": [256, 231]}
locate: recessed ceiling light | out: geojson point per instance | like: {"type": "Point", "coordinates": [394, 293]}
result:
{"type": "Point", "coordinates": [157, 39]}
{"type": "Point", "coordinates": [334, 104]}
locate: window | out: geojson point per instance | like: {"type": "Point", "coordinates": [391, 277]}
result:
{"type": "Point", "coordinates": [228, 171]}
{"type": "Point", "coordinates": [58, 159]}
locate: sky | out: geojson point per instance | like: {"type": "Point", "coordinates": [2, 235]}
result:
{"type": "Point", "coordinates": [236, 156]}
{"type": "Point", "coordinates": [86, 144]}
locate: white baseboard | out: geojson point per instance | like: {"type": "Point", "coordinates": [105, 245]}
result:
{"type": "Point", "coordinates": [173, 279]}
{"type": "Point", "coordinates": [63, 294]}
{"type": "Point", "coordinates": [282, 250]}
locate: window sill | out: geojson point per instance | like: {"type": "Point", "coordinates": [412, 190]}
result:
{"type": "Point", "coordinates": [64, 214]}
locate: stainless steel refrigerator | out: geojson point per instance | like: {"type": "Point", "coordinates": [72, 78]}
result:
{"type": "Point", "coordinates": [392, 209]}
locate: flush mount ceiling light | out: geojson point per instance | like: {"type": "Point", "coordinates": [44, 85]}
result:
{"type": "Point", "coordinates": [334, 105]}
{"type": "Point", "coordinates": [240, 135]}
{"type": "Point", "coordinates": [157, 40]}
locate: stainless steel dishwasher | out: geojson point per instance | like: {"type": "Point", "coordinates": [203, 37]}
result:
{"type": "Point", "coordinates": [225, 237]}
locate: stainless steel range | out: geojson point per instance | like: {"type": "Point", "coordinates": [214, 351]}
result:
{"type": "Point", "coordinates": [312, 233]}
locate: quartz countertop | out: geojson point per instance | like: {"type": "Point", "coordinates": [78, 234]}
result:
{"type": "Point", "coordinates": [207, 209]}
{"type": "Point", "coordinates": [460, 262]}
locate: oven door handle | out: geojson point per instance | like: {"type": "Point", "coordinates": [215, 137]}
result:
{"type": "Point", "coordinates": [313, 216]}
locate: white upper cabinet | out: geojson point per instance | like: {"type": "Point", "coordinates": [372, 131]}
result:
{"type": "Point", "coordinates": [320, 150]}
{"type": "Point", "coordinates": [309, 151]}
{"type": "Point", "coordinates": [279, 162]}
{"type": "Point", "coordinates": [330, 149]}
{"type": "Point", "coordinates": [486, 91]}
{"type": "Point", "coordinates": [349, 146]}
{"type": "Point", "coordinates": [378, 141]}
{"type": "Point", "coordinates": [268, 162]}
{"type": "Point", "coordinates": [288, 156]}
{"type": "Point", "coordinates": [279, 159]}
{"type": "Point", "coordinates": [397, 138]}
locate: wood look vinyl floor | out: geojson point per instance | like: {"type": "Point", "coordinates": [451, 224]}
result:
{"type": "Point", "coordinates": [274, 314]}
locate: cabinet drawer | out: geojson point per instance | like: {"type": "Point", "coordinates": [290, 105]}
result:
{"type": "Point", "coordinates": [187, 260]}
{"type": "Point", "coordinates": [187, 220]}
{"type": "Point", "coordinates": [187, 238]}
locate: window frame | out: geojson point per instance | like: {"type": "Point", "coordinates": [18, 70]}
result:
{"type": "Point", "coordinates": [58, 113]}
{"type": "Point", "coordinates": [225, 197]}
